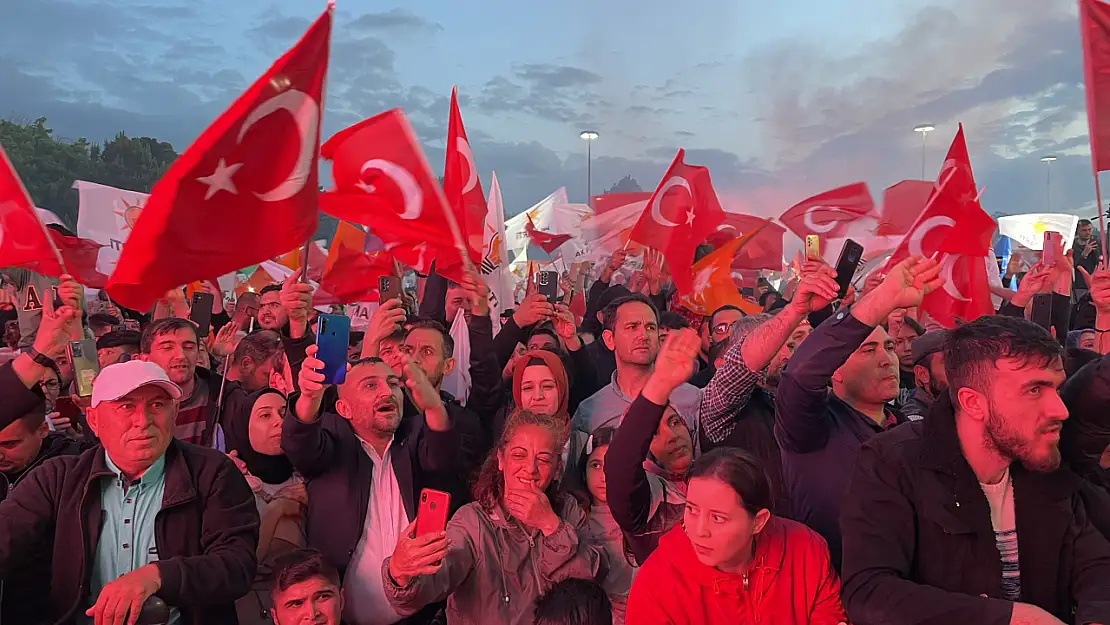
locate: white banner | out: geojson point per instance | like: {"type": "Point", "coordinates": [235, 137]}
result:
{"type": "Point", "coordinates": [107, 215]}
{"type": "Point", "coordinates": [495, 263]}
{"type": "Point", "coordinates": [360, 314]}
{"type": "Point", "coordinates": [543, 215]}
{"type": "Point", "coordinates": [1028, 230]}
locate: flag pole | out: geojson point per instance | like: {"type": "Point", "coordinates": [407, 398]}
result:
{"type": "Point", "coordinates": [323, 93]}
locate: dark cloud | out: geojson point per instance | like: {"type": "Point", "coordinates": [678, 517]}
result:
{"type": "Point", "coordinates": [394, 20]}
{"type": "Point", "coordinates": [546, 76]}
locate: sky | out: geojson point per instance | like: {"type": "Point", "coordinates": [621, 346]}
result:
{"type": "Point", "coordinates": [780, 100]}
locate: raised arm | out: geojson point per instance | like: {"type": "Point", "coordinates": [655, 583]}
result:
{"type": "Point", "coordinates": [309, 446]}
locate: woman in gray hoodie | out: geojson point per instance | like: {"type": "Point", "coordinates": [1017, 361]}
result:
{"type": "Point", "coordinates": [502, 552]}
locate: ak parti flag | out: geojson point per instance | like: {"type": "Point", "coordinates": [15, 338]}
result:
{"type": "Point", "coordinates": [383, 181]}
{"type": "Point", "coordinates": [762, 251]}
{"type": "Point", "coordinates": [547, 241]}
{"type": "Point", "coordinates": [681, 213]}
{"type": "Point", "coordinates": [1094, 25]}
{"type": "Point", "coordinates": [713, 283]}
{"type": "Point", "coordinates": [243, 192]}
{"type": "Point", "coordinates": [23, 238]}
{"type": "Point", "coordinates": [461, 184]}
{"type": "Point", "coordinates": [829, 214]}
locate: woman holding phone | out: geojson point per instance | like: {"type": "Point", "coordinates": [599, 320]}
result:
{"type": "Point", "coordinates": [499, 554]}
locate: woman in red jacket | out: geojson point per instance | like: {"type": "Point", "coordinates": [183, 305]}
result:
{"type": "Point", "coordinates": [732, 561]}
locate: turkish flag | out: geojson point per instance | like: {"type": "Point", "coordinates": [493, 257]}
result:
{"type": "Point", "coordinates": [903, 203]}
{"type": "Point", "coordinates": [829, 214]}
{"type": "Point", "coordinates": [681, 213]}
{"type": "Point", "coordinates": [383, 181]}
{"type": "Point", "coordinates": [1094, 25]}
{"type": "Point", "coordinates": [23, 238]}
{"type": "Point", "coordinates": [956, 229]}
{"type": "Point", "coordinates": [79, 257]}
{"type": "Point", "coordinates": [461, 184]}
{"type": "Point", "coordinates": [547, 241]}
{"type": "Point", "coordinates": [763, 251]}
{"type": "Point", "coordinates": [352, 275]}
{"type": "Point", "coordinates": [243, 192]}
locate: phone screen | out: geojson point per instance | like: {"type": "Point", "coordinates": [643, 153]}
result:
{"type": "Point", "coordinates": [332, 341]}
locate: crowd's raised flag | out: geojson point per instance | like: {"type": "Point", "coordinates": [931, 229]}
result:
{"type": "Point", "coordinates": [1094, 26]}
{"type": "Point", "coordinates": [547, 241]}
{"type": "Point", "coordinates": [682, 212]}
{"type": "Point", "coordinates": [23, 239]}
{"type": "Point", "coordinates": [244, 191]}
{"type": "Point", "coordinates": [763, 251]}
{"type": "Point", "coordinates": [495, 259]}
{"type": "Point", "coordinates": [829, 215]}
{"type": "Point", "coordinates": [107, 215]}
{"type": "Point", "coordinates": [714, 285]}
{"type": "Point", "coordinates": [461, 184]}
{"type": "Point", "coordinates": [903, 203]}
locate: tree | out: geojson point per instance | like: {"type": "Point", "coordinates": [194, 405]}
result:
{"type": "Point", "coordinates": [627, 184]}
{"type": "Point", "coordinates": [132, 163]}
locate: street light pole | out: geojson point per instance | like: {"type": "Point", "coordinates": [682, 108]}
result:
{"type": "Point", "coordinates": [924, 129]}
{"type": "Point", "coordinates": [589, 136]}
{"type": "Point", "coordinates": [1047, 160]}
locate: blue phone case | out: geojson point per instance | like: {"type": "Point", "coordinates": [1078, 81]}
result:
{"type": "Point", "coordinates": [332, 336]}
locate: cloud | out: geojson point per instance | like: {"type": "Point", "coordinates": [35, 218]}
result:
{"type": "Point", "coordinates": [547, 76]}
{"type": "Point", "coordinates": [395, 20]}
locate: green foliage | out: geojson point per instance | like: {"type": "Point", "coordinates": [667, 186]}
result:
{"type": "Point", "coordinates": [627, 184]}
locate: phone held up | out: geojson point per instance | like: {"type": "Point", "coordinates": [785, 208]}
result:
{"type": "Point", "coordinates": [86, 366]}
{"type": "Point", "coordinates": [332, 342]}
{"type": "Point", "coordinates": [851, 255]}
{"type": "Point", "coordinates": [389, 287]}
{"type": "Point", "coordinates": [1050, 251]}
{"type": "Point", "coordinates": [431, 514]}
{"type": "Point", "coordinates": [813, 247]}
{"type": "Point", "coordinates": [547, 284]}
{"type": "Point", "coordinates": [200, 312]}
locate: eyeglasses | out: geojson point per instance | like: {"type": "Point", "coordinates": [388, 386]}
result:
{"type": "Point", "coordinates": [52, 385]}
{"type": "Point", "coordinates": [723, 328]}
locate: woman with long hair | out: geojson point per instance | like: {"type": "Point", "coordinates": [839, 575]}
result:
{"type": "Point", "coordinates": [732, 561]}
{"type": "Point", "coordinates": [588, 476]}
{"type": "Point", "coordinates": [499, 554]}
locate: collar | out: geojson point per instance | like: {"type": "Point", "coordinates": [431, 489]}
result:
{"type": "Point", "coordinates": [373, 453]}
{"type": "Point", "coordinates": [155, 473]}
{"type": "Point", "coordinates": [179, 480]}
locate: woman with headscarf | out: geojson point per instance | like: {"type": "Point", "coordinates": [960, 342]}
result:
{"type": "Point", "coordinates": [521, 536]}
{"type": "Point", "coordinates": [279, 493]}
{"type": "Point", "coordinates": [1085, 438]}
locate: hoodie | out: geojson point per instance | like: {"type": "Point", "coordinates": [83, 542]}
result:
{"type": "Point", "coordinates": [790, 581]}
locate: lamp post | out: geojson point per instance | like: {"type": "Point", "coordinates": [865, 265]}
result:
{"type": "Point", "coordinates": [924, 129]}
{"type": "Point", "coordinates": [1047, 160]}
{"type": "Point", "coordinates": [589, 136]}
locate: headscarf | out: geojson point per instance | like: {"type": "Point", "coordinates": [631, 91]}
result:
{"type": "Point", "coordinates": [558, 371]}
{"type": "Point", "coordinates": [269, 469]}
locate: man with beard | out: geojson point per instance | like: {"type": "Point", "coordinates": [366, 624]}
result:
{"type": "Point", "coordinates": [285, 309]}
{"type": "Point", "coordinates": [963, 518]}
{"type": "Point", "coordinates": [927, 356]}
{"type": "Point", "coordinates": [365, 467]}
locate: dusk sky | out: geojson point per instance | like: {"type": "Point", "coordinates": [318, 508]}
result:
{"type": "Point", "coordinates": [779, 99]}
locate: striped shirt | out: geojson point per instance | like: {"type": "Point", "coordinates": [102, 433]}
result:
{"type": "Point", "coordinates": [1000, 496]}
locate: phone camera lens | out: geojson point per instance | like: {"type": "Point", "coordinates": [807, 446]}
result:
{"type": "Point", "coordinates": [424, 498]}
{"type": "Point", "coordinates": [432, 505]}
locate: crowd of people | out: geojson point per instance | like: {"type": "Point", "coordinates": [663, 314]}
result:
{"type": "Point", "coordinates": [828, 460]}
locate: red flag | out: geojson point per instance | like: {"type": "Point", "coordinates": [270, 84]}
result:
{"type": "Point", "coordinates": [461, 184]}
{"type": "Point", "coordinates": [609, 201]}
{"type": "Point", "coordinates": [713, 283]}
{"type": "Point", "coordinates": [828, 214]}
{"type": "Point", "coordinates": [353, 276]}
{"type": "Point", "coordinates": [903, 203]}
{"type": "Point", "coordinates": [245, 190]}
{"type": "Point", "coordinates": [763, 251]}
{"type": "Point", "coordinates": [547, 241]}
{"type": "Point", "coordinates": [682, 212]}
{"type": "Point", "coordinates": [956, 229]}
{"type": "Point", "coordinates": [79, 256]}
{"type": "Point", "coordinates": [23, 238]}
{"type": "Point", "coordinates": [1094, 24]}
{"type": "Point", "coordinates": [383, 181]}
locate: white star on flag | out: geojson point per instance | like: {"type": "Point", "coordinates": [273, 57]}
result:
{"type": "Point", "coordinates": [220, 179]}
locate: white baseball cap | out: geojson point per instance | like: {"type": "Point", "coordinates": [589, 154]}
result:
{"type": "Point", "coordinates": [118, 380]}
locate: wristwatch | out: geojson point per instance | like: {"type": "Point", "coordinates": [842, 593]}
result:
{"type": "Point", "coordinates": [41, 359]}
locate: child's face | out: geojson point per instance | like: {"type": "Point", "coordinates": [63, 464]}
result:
{"type": "Point", "coordinates": [595, 474]}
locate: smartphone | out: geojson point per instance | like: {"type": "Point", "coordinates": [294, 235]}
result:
{"type": "Point", "coordinates": [67, 408]}
{"type": "Point", "coordinates": [332, 340]}
{"type": "Point", "coordinates": [200, 312]}
{"type": "Point", "coordinates": [431, 514]}
{"type": "Point", "coordinates": [1051, 248]}
{"type": "Point", "coordinates": [389, 287]}
{"type": "Point", "coordinates": [547, 284]}
{"type": "Point", "coordinates": [846, 265]}
{"type": "Point", "coordinates": [1042, 310]}
{"type": "Point", "coordinates": [85, 365]}
{"type": "Point", "coordinates": [813, 247]}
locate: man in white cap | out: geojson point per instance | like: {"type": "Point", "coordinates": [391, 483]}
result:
{"type": "Point", "coordinates": [140, 515]}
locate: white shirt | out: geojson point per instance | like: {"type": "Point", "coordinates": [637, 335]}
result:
{"type": "Point", "coordinates": [1000, 496]}
{"type": "Point", "coordinates": [386, 518]}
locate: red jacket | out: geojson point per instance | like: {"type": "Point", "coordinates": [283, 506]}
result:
{"type": "Point", "coordinates": [791, 582]}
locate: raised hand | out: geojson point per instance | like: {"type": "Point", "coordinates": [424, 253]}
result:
{"type": "Point", "coordinates": [226, 339]}
{"type": "Point", "coordinates": [478, 293]}
{"type": "Point", "coordinates": [296, 297]}
{"type": "Point", "coordinates": [1036, 280]}
{"type": "Point", "coordinates": [531, 507]}
{"type": "Point", "coordinates": [816, 289]}
{"type": "Point", "coordinates": [674, 365]}
{"type": "Point", "coordinates": [424, 395]}
{"type": "Point", "coordinates": [909, 282]}
{"type": "Point", "coordinates": [311, 383]}
{"type": "Point", "coordinates": [1099, 285]}
{"type": "Point", "coordinates": [534, 309]}
{"type": "Point", "coordinates": [57, 327]}
{"type": "Point", "coordinates": [387, 319]}
{"type": "Point", "coordinates": [565, 327]}
{"type": "Point", "coordinates": [417, 555]}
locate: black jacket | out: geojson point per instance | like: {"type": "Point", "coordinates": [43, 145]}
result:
{"type": "Point", "coordinates": [206, 532]}
{"type": "Point", "coordinates": [919, 547]}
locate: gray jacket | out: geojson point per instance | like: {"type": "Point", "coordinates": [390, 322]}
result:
{"type": "Point", "coordinates": [496, 569]}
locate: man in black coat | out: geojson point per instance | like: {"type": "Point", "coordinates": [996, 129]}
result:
{"type": "Point", "coordinates": [965, 517]}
